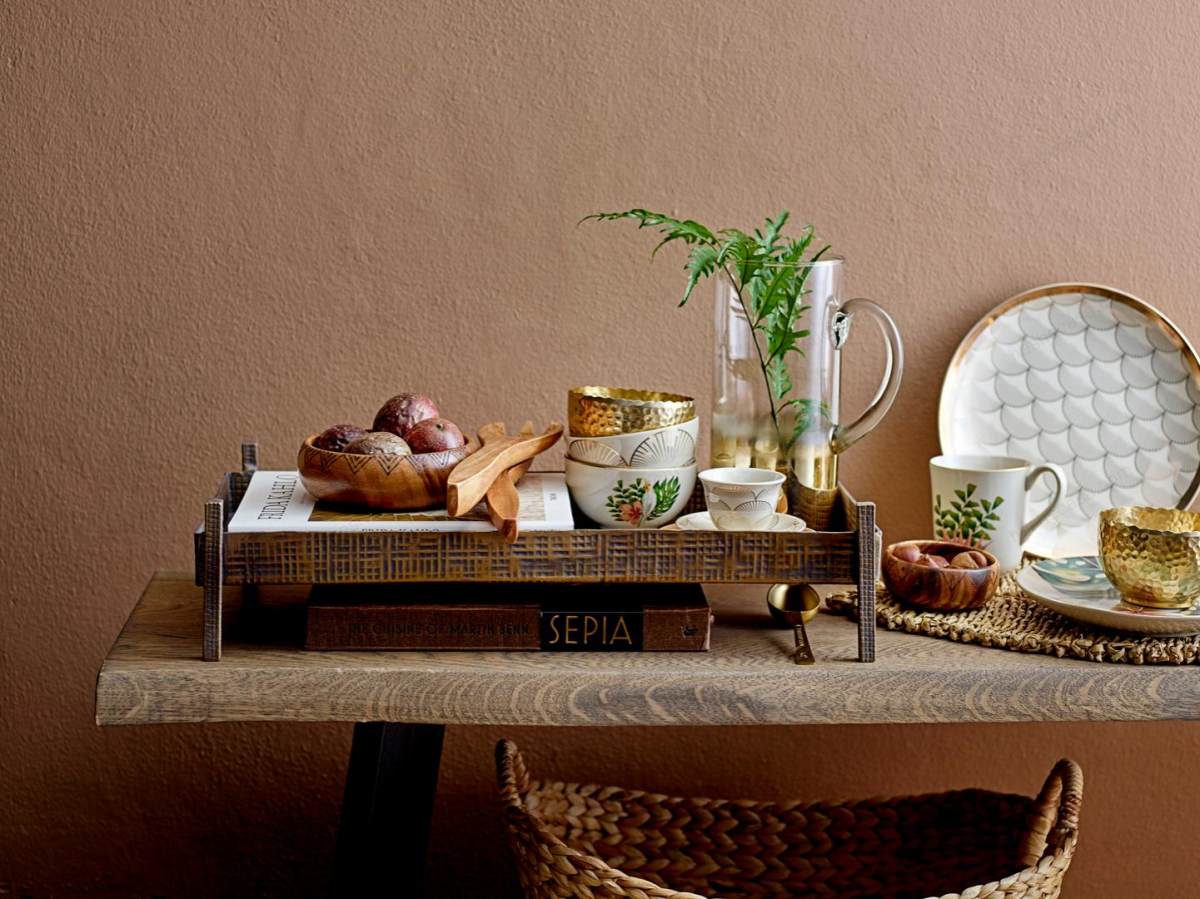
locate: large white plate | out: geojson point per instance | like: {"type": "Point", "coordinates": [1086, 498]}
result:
{"type": "Point", "coordinates": [1108, 611]}
{"type": "Point", "coordinates": [1091, 379]}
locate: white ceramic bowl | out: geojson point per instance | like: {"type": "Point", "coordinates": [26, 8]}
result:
{"type": "Point", "coordinates": [670, 447]}
{"type": "Point", "coordinates": [630, 497]}
{"type": "Point", "coordinates": [741, 499]}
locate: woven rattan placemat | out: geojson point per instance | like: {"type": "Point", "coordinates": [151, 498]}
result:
{"type": "Point", "coordinates": [1011, 621]}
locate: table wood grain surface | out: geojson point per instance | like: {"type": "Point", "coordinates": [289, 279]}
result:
{"type": "Point", "coordinates": [154, 675]}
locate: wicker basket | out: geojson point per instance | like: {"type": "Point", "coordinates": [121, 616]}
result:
{"type": "Point", "coordinates": [600, 842]}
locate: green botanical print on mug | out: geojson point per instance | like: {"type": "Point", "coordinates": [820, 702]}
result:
{"type": "Point", "coordinates": [967, 519]}
{"type": "Point", "coordinates": [640, 501]}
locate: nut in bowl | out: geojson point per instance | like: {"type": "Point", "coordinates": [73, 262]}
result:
{"type": "Point", "coordinates": [668, 447]}
{"type": "Point", "coordinates": [939, 575]}
{"type": "Point", "coordinates": [630, 497]}
{"type": "Point", "coordinates": [1152, 556]}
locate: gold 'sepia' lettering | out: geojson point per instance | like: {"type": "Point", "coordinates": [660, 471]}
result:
{"type": "Point", "coordinates": [621, 631]}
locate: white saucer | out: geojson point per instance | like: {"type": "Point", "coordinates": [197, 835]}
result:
{"type": "Point", "coordinates": [1108, 611]}
{"type": "Point", "coordinates": [779, 522]}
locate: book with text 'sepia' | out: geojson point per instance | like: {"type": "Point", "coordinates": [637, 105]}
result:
{"type": "Point", "coordinates": [589, 617]}
{"type": "Point", "coordinates": [277, 501]}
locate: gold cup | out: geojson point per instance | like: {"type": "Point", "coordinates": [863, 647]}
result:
{"type": "Point", "coordinates": [1152, 556]}
{"type": "Point", "coordinates": [606, 411]}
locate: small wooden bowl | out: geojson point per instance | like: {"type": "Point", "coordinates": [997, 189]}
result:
{"type": "Point", "coordinates": [396, 483]}
{"type": "Point", "coordinates": [939, 589]}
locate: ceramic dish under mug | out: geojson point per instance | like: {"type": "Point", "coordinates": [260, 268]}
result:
{"type": "Point", "coordinates": [1108, 611]}
{"type": "Point", "coordinates": [1090, 379]}
{"type": "Point", "coordinates": [1077, 574]}
{"type": "Point", "coordinates": [779, 523]}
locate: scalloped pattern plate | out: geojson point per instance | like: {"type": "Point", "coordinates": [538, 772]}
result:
{"type": "Point", "coordinates": [1091, 379]}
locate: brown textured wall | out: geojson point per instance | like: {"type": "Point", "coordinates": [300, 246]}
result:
{"type": "Point", "coordinates": [230, 220]}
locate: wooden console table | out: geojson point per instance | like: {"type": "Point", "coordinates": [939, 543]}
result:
{"type": "Point", "coordinates": [401, 701]}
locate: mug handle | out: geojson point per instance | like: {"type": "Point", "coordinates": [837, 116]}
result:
{"type": "Point", "coordinates": [1055, 472]}
{"type": "Point", "coordinates": [845, 437]}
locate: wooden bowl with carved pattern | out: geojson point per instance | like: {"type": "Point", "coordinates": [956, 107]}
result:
{"type": "Point", "coordinates": [387, 482]}
{"type": "Point", "coordinates": [939, 589]}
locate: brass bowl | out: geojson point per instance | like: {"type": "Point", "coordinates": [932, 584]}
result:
{"type": "Point", "coordinates": [787, 601]}
{"type": "Point", "coordinates": [1152, 556]}
{"type": "Point", "coordinates": [607, 411]}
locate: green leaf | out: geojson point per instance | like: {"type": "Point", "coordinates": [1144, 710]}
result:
{"type": "Point", "coordinates": [687, 230]}
{"type": "Point", "coordinates": [768, 273]}
{"type": "Point", "coordinates": [962, 496]}
{"type": "Point", "coordinates": [702, 262]}
{"type": "Point", "coordinates": [665, 494]}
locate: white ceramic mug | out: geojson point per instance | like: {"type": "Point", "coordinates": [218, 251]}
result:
{"type": "Point", "coordinates": [741, 499]}
{"type": "Point", "coordinates": [980, 501]}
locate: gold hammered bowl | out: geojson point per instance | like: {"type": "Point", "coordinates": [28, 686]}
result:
{"type": "Point", "coordinates": [607, 411]}
{"type": "Point", "coordinates": [1152, 555]}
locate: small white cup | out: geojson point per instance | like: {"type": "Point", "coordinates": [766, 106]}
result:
{"type": "Point", "coordinates": [741, 499]}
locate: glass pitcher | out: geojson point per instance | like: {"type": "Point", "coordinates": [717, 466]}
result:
{"type": "Point", "coordinates": [793, 424]}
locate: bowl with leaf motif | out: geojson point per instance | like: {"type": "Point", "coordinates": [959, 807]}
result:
{"type": "Point", "coordinates": [625, 498]}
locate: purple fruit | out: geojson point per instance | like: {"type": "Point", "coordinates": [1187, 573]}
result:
{"type": "Point", "coordinates": [434, 435]}
{"type": "Point", "coordinates": [338, 437]}
{"type": "Point", "coordinates": [379, 443]}
{"type": "Point", "coordinates": [402, 411]}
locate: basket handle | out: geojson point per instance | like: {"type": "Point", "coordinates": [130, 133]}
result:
{"type": "Point", "coordinates": [551, 852]}
{"type": "Point", "coordinates": [1055, 819]}
{"type": "Point", "coordinates": [511, 774]}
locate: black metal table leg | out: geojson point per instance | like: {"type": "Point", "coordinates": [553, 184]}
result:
{"type": "Point", "coordinates": [383, 834]}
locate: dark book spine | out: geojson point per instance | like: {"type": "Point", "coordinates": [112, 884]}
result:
{"type": "Point", "coordinates": [506, 627]}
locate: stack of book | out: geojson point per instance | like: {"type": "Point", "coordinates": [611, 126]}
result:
{"type": "Point", "coordinates": [475, 616]}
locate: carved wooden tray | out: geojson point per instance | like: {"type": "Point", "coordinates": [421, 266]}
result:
{"type": "Point", "coordinates": [846, 555]}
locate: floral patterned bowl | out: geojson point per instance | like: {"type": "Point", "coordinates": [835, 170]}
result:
{"type": "Point", "coordinates": [630, 497]}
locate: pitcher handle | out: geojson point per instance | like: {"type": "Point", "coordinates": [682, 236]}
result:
{"type": "Point", "coordinates": [847, 436]}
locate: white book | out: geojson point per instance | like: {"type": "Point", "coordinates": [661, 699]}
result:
{"type": "Point", "coordinates": [277, 501]}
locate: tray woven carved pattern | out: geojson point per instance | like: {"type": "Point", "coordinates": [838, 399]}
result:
{"type": "Point", "coordinates": [1013, 622]}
